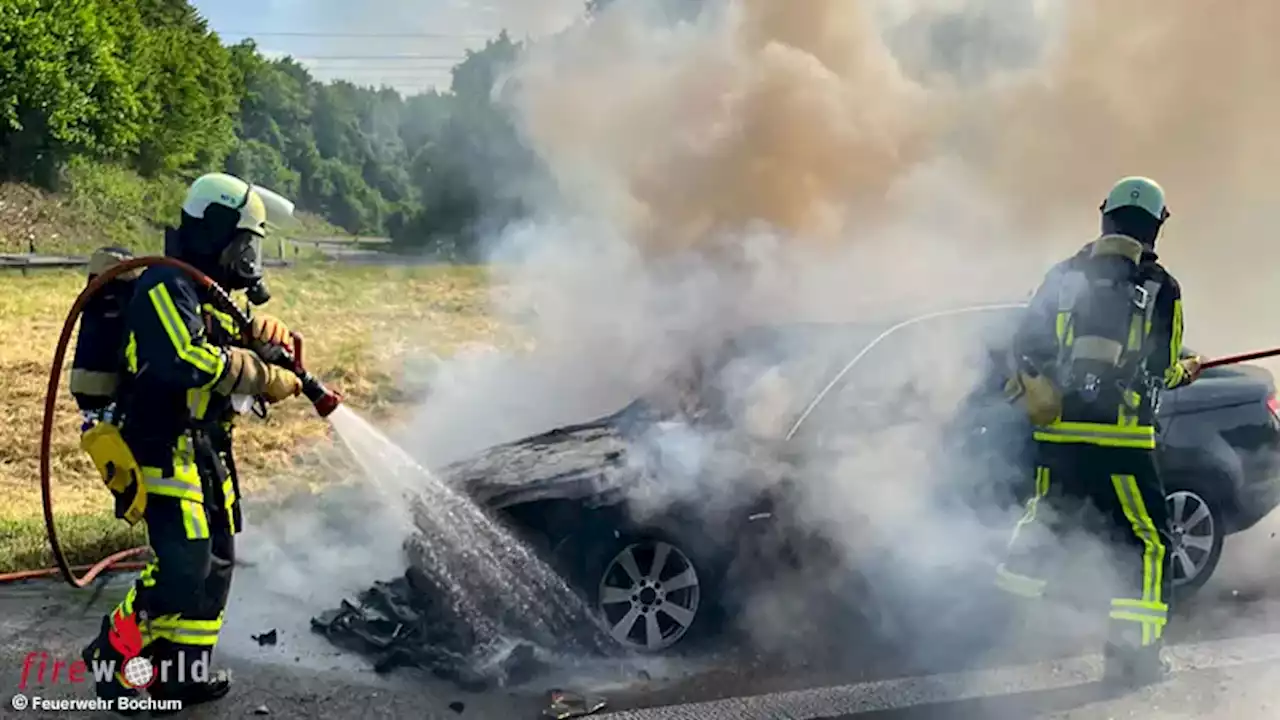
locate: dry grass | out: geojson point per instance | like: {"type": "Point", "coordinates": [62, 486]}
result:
{"type": "Point", "coordinates": [359, 323]}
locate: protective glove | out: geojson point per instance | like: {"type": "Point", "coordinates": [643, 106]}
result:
{"type": "Point", "coordinates": [281, 385]}
{"type": "Point", "coordinates": [1192, 366]}
{"type": "Point", "coordinates": [267, 329]}
{"type": "Point", "coordinates": [247, 374]}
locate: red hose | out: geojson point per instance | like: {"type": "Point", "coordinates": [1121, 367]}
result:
{"type": "Point", "coordinates": [1242, 357]}
{"type": "Point", "coordinates": [113, 561]}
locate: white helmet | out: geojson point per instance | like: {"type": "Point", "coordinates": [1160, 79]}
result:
{"type": "Point", "coordinates": [231, 192]}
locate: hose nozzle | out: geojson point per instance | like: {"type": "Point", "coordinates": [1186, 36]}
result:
{"type": "Point", "coordinates": [324, 399]}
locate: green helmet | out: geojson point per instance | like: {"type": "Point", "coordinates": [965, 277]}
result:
{"type": "Point", "coordinates": [1138, 192]}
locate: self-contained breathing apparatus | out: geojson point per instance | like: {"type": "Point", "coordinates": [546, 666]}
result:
{"type": "Point", "coordinates": [1104, 315]}
{"type": "Point", "coordinates": [97, 381]}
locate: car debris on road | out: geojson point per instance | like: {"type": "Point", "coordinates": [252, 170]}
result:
{"type": "Point", "coordinates": [397, 626]}
{"type": "Point", "coordinates": [562, 704]}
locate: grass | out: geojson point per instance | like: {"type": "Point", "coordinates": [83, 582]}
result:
{"type": "Point", "coordinates": [359, 322]}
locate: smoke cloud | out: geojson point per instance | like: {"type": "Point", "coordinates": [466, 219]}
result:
{"type": "Point", "coordinates": [837, 160]}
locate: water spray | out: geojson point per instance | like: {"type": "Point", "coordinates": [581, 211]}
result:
{"type": "Point", "coordinates": [324, 400]}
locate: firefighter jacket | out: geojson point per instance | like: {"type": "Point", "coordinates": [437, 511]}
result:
{"type": "Point", "coordinates": [1132, 422]}
{"type": "Point", "coordinates": [178, 428]}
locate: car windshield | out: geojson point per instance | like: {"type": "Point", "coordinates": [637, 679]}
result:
{"type": "Point", "coordinates": [760, 379]}
{"type": "Point", "coordinates": [918, 373]}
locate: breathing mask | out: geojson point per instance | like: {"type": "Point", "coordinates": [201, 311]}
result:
{"type": "Point", "coordinates": [224, 222]}
{"type": "Point", "coordinates": [241, 264]}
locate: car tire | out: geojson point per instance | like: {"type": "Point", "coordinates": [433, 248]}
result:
{"type": "Point", "coordinates": [647, 608]}
{"type": "Point", "coordinates": [1197, 530]}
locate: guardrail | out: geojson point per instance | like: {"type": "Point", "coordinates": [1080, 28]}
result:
{"type": "Point", "coordinates": [26, 262]}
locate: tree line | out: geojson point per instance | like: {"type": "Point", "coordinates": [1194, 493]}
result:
{"type": "Point", "coordinates": [146, 85]}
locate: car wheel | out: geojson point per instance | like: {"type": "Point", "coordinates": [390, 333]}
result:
{"type": "Point", "coordinates": [649, 591]}
{"type": "Point", "coordinates": [1196, 533]}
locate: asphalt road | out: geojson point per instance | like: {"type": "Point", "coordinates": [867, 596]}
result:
{"type": "Point", "coordinates": [1226, 654]}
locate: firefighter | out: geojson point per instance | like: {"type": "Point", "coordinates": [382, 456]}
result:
{"type": "Point", "coordinates": [183, 370]}
{"type": "Point", "coordinates": [1102, 337]}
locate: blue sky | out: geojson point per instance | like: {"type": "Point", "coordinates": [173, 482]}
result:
{"type": "Point", "coordinates": [365, 41]}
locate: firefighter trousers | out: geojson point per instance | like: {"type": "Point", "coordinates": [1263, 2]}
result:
{"type": "Point", "coordinates": [179, 598]}
{"type": "Point", "coordinates": [1111, 493]}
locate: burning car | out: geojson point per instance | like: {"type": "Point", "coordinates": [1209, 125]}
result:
{"type": "Point", "coordinates": [644, 511]}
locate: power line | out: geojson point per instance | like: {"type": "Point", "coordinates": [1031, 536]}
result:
{"type": "Point", "coordinates": [402, 58]}
{"type": "Point", "coordinates": [403, 68]}
{"type": "Point", "coordinates": [362, 35]}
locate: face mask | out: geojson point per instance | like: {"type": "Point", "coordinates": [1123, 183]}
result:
{"type": "Point", "coordinates": [241, 262]}
{"type": "Point", "coordinates": [258, 293]}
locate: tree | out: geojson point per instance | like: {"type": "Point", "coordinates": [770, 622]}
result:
{"type": "Point", "coordinates": [64, 86]}
{"type": "Point", "coordinates": [146, 86]}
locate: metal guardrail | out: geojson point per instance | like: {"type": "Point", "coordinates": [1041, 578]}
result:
{"type": "Point", "coordinates": [25, 262]}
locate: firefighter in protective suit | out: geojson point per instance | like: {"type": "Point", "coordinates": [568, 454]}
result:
{"type": "Point", "coordinates": [183, 369]}
{"type": "Point", "coordinates": [1102, 337]}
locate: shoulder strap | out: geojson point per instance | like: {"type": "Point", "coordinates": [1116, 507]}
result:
{"type": "Point", "coordinates": [1152, 289]}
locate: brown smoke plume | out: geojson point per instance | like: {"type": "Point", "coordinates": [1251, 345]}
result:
{"type": "Point", "coordinates": [800, 116]}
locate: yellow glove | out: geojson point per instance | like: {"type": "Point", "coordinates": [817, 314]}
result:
{"type": "Point", "coordinates": [281, 385]}
{"type": "Point", "coordinates": [267, 329]}
{"type": "Point", "coordinates": [248, 374]}
{"type": "Point", "coordinates": [1192, 366]}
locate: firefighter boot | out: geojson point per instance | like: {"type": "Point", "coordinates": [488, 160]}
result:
{"type": "Point", "coordinates": [1129, 668]}
{"type": "Point", "coordinates": [99, 653]}
{"type": "Point", "coordinates": [186, 676]}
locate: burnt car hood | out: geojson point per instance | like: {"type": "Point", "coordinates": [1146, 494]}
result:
{"type": "Point", "coordinates": [574, 462]}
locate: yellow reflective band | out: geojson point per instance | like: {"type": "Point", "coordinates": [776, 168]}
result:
{"type": "Point", "coordinates": [194, 520]}
{"type": "Point", "coordinates": [1126, 488]}
{"type": "Point", "coordinates": [229, 495]}
{"type": "Point", "coordinates": [131, 354]}
{"type": "Point", "coordinates": [126, 605]}
{"type": "Point", "coordinates": [1175, 374]}
{"type": "Point", "coordinates": [1107, 435]}
{"type": "Point", "coordinates": [183, 485]}
{"type": "Point", "coordinates": [198, 402]}
{"type": "Point", "coordinates": [224, 319]}
{"type": "Point", "coordinates": [202, 358]}
{"type": "Point", "coordinates": [1152, 628]}
{"type": "Point", "coordinates": [148, 574]}
{"type": "Point", "coordinates": [1146, 606]}
{"type": "Point", "coordinates": [171, 622]}
{"type": "Point", "coordinates": [1086, 428]}
{"type": "Point", "coordinates": [178, 629]}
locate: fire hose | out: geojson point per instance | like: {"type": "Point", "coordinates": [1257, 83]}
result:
{"type": "Point", "coordinates": [1241, 357]}
{"type": "Point", "coordinates": [324, 400]}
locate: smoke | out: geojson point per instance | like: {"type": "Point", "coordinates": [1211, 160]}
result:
{"type": "Point", "coordinates": [834, 160]}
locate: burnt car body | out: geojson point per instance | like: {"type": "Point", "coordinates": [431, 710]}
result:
{"type": "Point", "coordinates": [577, 493]}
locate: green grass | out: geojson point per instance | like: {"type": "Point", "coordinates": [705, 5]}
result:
{"type": "Point", "coordinates": [85, 539]}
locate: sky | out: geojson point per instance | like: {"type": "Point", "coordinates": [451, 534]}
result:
{"type": "Point", "coordinates": [410, 45]}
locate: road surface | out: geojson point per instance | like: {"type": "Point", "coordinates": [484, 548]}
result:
{"type": "Point", "coordinates": [1226, 658]}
